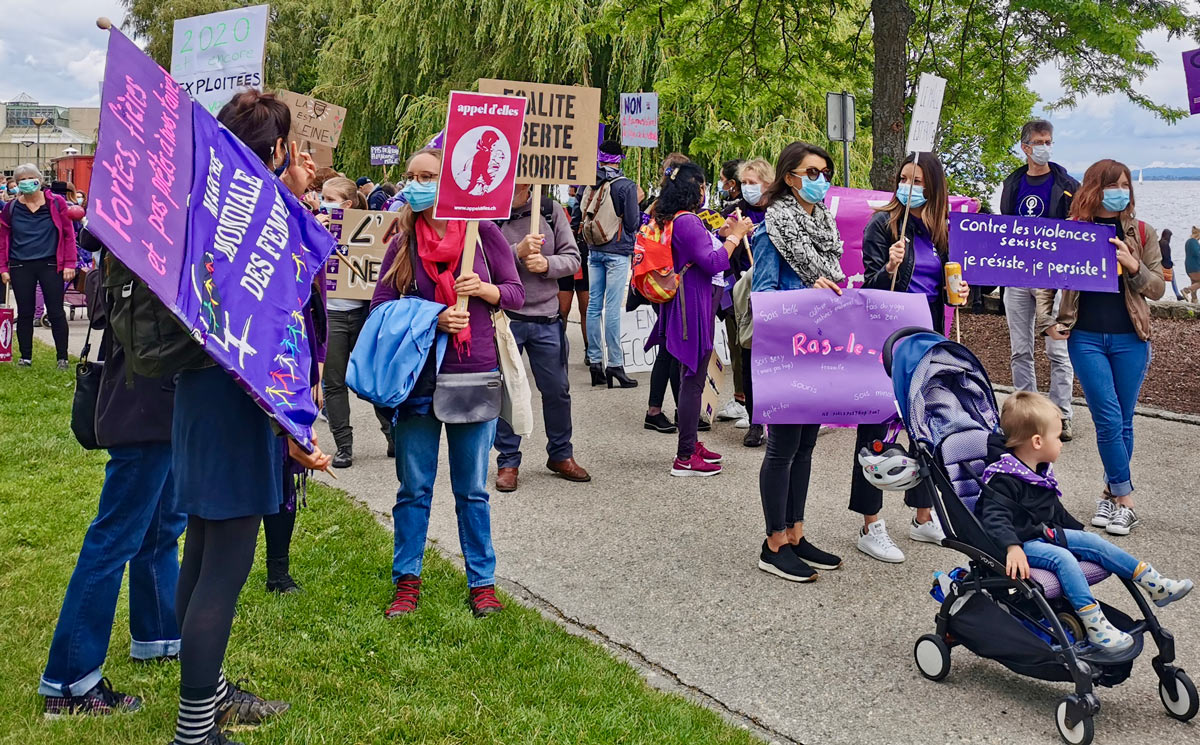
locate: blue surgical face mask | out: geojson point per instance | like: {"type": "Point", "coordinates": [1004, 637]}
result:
{"type": "Point", "coordinates": [752, 193]}
{"type": "Point", "coordinates": [571, 202]}
{"type": "Point", "coordinates": [724, 194]}
{"type": "Point", "coordinates": [420, 196]}
{"type": "Point", "coordinates": [12, 189]}
{"type": "Point", "coordinates": [329, 207]}
{"type": "Point", "coordinates": [1116, 200]}
{"type": "Point", "coordinates": [916, 200]}
{"type": "Point", "coordinates": [814, 192]}
{"type": "Point", "coordinates": [287, 160]}
{"type": "Point", "coordinates": [28, 185]}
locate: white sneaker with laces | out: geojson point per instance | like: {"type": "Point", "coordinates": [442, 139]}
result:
{"type": "Point", "coordinates": [930, 532]}
{"type": "Point", "coordinates": [1105, 509]}
{"type": "Point", "coordinates": [1123, 520]}
{"type": "Point", "coordinates": [877, 544]}
{"type": "Point", "coordinates": [743, 423]}
{"type": "Point", "coordinates": [733, 410]}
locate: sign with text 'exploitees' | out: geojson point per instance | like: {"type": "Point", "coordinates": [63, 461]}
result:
{"type": "Point", "coordinates": [213, 56]}
{"type": "Point", "coordinates": [562, 123]}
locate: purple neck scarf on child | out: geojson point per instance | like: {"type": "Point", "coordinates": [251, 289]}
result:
{"type": "Point", "coordinates": [1013, 466]}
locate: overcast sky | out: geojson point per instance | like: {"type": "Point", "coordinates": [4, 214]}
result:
{"type": "Point", "coordinates": [54, 52]}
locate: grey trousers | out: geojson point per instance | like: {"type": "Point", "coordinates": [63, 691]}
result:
{"type": "Point", "coordinates": [1020, 307]}
{"type": "Point", "coordinates": [546, 345]}
{"type": "Point", "coordinates": [344, 326]}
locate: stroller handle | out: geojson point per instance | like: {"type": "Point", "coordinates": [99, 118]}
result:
{"type": "Point", "coordinates": [891, 342]}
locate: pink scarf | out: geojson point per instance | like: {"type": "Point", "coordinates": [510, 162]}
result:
{"type": "Point", "coordinates": [440, 258]}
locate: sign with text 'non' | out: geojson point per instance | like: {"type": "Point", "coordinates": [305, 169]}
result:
{"type": "Point", "coordinates": [818, 356]}
{"type": "Point", "coordinates": [317, 121]}
{"type": "Point", "coordinates": [1010, 251]}
{"type": "Point", "coordinates": [639, 119]}
{"type": "Point", "coordinates": [927, 111]}
{"type": "Point", "coordinates": [363, 237]}
{"type": "Point", "coordinates": [562, 125]}
{"type": "Point", "coordinates": [479, 154]}
{"type": "Point", "coordinates": [214, 56]}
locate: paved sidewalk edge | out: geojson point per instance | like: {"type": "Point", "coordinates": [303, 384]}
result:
{"type": "Point", "coordinates": [1146, 411]}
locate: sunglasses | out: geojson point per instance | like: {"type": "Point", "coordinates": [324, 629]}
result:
{"type": "Point", "coordinates": [813, 173]}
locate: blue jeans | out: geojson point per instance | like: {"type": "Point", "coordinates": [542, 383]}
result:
{"type": "Point", "coordinates": [1111, 368]}
{"type": "Point", "coordinates": [132, 526]}
{"type": "Point", "coordinates": [417, 441]}
{"type": "Point", "coordinates": [546, 345]}
{"type": "Point", "coordinates": [609, 274]}
{"type": "Point", "coordinates": [1064, 562]}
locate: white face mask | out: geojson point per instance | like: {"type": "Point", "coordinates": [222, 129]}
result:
{"type": "Point", "coordinates": [1040, 154]}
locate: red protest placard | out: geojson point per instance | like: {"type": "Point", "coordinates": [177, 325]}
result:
{"type": "Point", "coordinates": [479, 156]}
{"type": "Point", "coordinates": [6, 334]}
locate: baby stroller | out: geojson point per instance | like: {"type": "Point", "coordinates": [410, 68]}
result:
{"type": "Point", "coordinates": [946, 402]}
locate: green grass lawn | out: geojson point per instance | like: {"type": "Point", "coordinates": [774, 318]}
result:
{"type": "Point", "coordinates": [439, 676]}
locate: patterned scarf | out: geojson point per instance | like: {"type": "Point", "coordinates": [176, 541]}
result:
{"type": "Point", "coordinates": [440, 258]}
{"type": "Point", "coordinates": [810, 244]}
{"type": "Point", "coordinates": [1013, 466]}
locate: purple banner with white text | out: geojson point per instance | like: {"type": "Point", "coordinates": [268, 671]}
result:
{"type": "Point", "coordinates": [818, 356]}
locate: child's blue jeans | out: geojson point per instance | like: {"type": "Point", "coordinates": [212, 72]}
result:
{"type": "Point", "coordinates": [1064, 562]}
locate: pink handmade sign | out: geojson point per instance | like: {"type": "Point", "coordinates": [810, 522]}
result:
{"type": "Point", "coordinates": [479, 156]}
{"type": "Point", "coordinates": [6, 334]}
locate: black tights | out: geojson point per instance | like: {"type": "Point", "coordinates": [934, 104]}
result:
{"type": "Point", "coordinates": [665, 370]}
{"type": "Point", "coordinates": [217, 556]}
{"type": "Point", "coordinates": [277, 529]}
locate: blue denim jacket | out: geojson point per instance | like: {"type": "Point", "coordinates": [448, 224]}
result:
{"type": "Point", "coordinates": [771, 271]}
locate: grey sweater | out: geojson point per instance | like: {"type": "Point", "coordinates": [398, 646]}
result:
{"type": "Point", "coordinates": [562, 255]}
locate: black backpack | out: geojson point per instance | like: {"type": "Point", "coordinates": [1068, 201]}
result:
{"type": "Point", "coordinates": [156, 343]}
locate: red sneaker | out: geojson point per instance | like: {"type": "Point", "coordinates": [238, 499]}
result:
{"type": "Point", "coordinates": [483, 601]}
{"type": "Point", "coordinates": [709, 456]}
{"type": "Point", "coordinates": [694, 466]}
{"type": "Point", "coordinates": [408, 593]}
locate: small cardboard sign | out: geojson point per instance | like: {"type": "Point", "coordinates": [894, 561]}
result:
{"type": "Point", "coordinates": [6, 334]}
{"type": "Point", "coordinates": [322, 155]}
{"type": "Point", "coordinates": [481, 149]}
{"type": "Point", "coordinates": [314, 120]}
{"type": "Point", "coordinates": [385, 155]}
{"type": "Point", "coordinates": [562, 123]}
{"type": "Point", "coordinates": [639, 119]}
{"type": "Point", "coordinates": [363, 237]}
{"type": "Point", "coordinates": [927, 111]}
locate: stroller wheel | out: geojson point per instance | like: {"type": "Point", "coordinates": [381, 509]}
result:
{"type": "Point", "coordinates": [932, 656]}
{"type": "Point", "coordinates": [1178, 695]}
{"type": "Point", "coordinates": [1083, 731]}
{"type": "Point", "coordinates": [1070, 622]}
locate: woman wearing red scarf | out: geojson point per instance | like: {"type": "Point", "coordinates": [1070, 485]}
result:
{"type": "Point", "coordinates": [424, 261]}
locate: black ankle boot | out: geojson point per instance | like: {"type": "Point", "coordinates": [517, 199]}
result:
{"type": "Point", "coordinates": [597, 370]}
{"type": "Point", "coordinates": [278, 579]}
{"type": "Point", "coordinates": [618, 374]}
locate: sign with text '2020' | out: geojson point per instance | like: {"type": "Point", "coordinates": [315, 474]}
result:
{"type": "Point", "coordinates": [562, 124]}
{"type": "Point", "coordinates": [927, 111]}
{"type": "Point", "coordinates": [213, 56]}
{"type": "Point", "coordinates": [1011, 251]}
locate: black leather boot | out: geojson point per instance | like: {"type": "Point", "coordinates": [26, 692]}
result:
{"type": "Point", "coordinates": [278, 579]}
{"type": "Point", "coordinates": [597, 370]}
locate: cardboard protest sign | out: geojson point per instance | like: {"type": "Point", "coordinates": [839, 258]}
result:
{"type": "Point", "coordinates": [636, 326]}
{"type": "Point", "coordinates": [210, 230]}
{"type": "Point", "coordinates": [639, 119]}
{"type": "Point", "coordinates": [362, 237]}
{"type": "Point", "coordinates": [818, 357]}
{"type": "Point", "coordinates": [481, 148]}
{"type": "Point", "coordinates": [213, 56]}
{"type": "Point", "coordinates": [1012, 251]}
{"type": "Point", "coordinates": [322, 155]}
{"type": "Point", "coordinates": [561, 125]}
{"type": "Point", "coordinates": [714, 383]}
{"type": "Point", "coordinates": [927, 111]}
{"type": "Point", "coordinates": [314, 120]}
{"type": "Point", "coordinates": [1191, 73]}
{"type": "Point", "coordinates": [6, 334]}
{"type": "Point", "coordinates": [385, 155]}
{"type": "Point", "coordinates": [852, 209]}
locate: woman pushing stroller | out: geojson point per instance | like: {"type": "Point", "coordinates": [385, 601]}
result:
{"type": "Point", "coordinates": [1023, 513]}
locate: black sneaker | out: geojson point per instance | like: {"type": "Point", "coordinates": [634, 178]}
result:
{"type": "Point", "coordinates": [815, 557]}
{"type": "Point", "coordinates": [703, 425]}
{"type": "Point", "coordinates": [242, 708]}
{"type": "Point", "coordinates": [755, 436]}
{"type": "Point", "coordinates": [659, 423]}
{"type": "Point", "coordinates": [99, 701]}
{"type": "Point", "coordinates": [784, 563]}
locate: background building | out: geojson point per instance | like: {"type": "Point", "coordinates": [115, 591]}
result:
{"type": "Point", "coordinates": [62, 129]}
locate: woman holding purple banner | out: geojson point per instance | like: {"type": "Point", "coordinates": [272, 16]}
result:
{"type": "Point", "coordinates": [798, 247]}
{"type": "Point", "coordinates": [916, 259]}
{"type": "Point", "coordinates": [1108, 333]}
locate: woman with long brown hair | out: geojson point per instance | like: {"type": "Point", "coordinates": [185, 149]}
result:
{"type": "Point", "coordinates": [916, 259]}
{"type": "Point", "coordinates": [1108, 333]}
{"type": "Point", "coordinates": [424, 261]}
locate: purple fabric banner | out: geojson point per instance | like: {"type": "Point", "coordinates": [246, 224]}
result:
{"type": "Point", "coordinates": [818, 357]}
{"type": "Point", "coordinates": [221, 241]}
{"type": "Point", "coordinates": [1191, 73]}
{"type": "Point", "coordinates": [1012, 251]}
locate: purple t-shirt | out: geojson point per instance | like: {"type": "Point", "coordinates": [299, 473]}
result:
{"type": "Point", "coordinates": [927, 271]}
{"type": "Point", "coordinates": [1033, 195]}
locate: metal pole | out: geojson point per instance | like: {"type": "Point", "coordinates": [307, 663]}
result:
{"type": "Point", "coordinates": [846, 136]}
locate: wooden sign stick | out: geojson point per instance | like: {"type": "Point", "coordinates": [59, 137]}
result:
{"type": "Point", "coordinates": [468, 258]}
{"type": "Point", "coordinates": [907, 209]}
{"type": "Point", "coordinates": [535, 207]}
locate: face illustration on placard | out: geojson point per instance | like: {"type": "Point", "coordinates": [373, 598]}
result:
{"type": "Point", "coordinates": [481, 160]}
{"type": "Point", "coordinates": [6, 332]}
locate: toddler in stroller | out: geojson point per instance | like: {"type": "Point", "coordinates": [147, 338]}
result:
{"type": "Point", "coordinates": [1023, 513]}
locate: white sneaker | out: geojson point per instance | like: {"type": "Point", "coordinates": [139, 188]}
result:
{"type": "Point", "coordinates": [743, 423]}
{"type": "Point", "coordinates": [877, 544]}
{"type": "Point", "coordinates": [1105, 510]}
{"type": "Point", "coordinates": [731, 411]}
{"type": "Point", "coordinates": [1123, 521]}
{"type": "Point", "coordinates": [930, 532]}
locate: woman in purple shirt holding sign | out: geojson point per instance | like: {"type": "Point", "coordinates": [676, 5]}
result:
{"type": "Point", "coordinates": [916, 259]}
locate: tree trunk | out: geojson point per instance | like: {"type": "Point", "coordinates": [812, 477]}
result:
{"type": "Point", "coordinates": [892, 21]}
